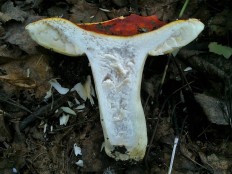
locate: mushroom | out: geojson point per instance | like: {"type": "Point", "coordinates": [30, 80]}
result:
{"type": "Point", "coordinates": [117, 50]}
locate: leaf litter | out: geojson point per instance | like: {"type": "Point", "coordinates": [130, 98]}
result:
{"type": "Point", "coordinates": [36, 139]}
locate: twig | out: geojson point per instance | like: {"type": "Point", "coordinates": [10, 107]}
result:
{"type": "Point", "coordinates": [182, 74]}
{"type": "Point", "coordinates": [227, 110]}
{"type": "Point", "coordinates": [196, 162]}
{"type": "Point", "coordinates": [46, 109]}
{"type": "Point", "coordinates": [157, 123]}
{"type": "Point", "coordinates": [203, 65]}
{"type": "Point", "coordinates": [176, 140]}
{"type": "Point", "coordinates": [159, 116]}
{"type": "Point", "coordinates": [165, 71]}
{"type": "Point", "coordinates": [13, 103]}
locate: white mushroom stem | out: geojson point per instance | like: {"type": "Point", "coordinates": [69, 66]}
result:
{"type": "Point", "coordinates": [117, 72]}
{"type": "Point", "coordinates": [117, 66]}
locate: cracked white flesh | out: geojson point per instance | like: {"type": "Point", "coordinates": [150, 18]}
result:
{"type": "Point", "coordinates": [117, 66]}
{"type": "Point", "coordinates": [117, 74]}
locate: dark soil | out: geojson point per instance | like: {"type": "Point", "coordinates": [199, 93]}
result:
{"type": "Point", "coordinates": [194, 106]}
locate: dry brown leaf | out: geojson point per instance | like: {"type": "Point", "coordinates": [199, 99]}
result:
{"type": "Point", "coordinates": [4, 17]}
{"type": "Point", "coordinates": [58, 11]}
{"type": "Point", "coordinates": [83, 11]}
{"type": "Point", "coordinates": [214, 163]}
{"type": "Point", "coordinates": [16, 80]}
{"type": "Point", "coordinates": [114, 13]}
{"type": "Point", "coordinates": [215, 109]}
{"type": "Point", "coordinates": [15, 155]}
{"type": "Point", "coordinates": [13, 12]}
{"type": "Point", "coordinates": [41, 159]}
{"type": "Point", "coordinates": [91, 151]}
{"type": "Point", "coordinates": [218, 162]}
{"type": "Point", "coordinates": [204, 159]}
{"type": "Point", "coordinates": [185, 151]}
{"type": "Point", "coordinates": [165, 10]}
{"type": "Point", "coordinates": [4, 128]}
{"type": "Point", "coordinates": [120, 3]}
{"type": "Point", "coordinates": [151, 85]}
{"type": "Point", "coordinates": [8, 55]}
{"type": "Point", "coordinates": [164, 130]}
{"type": "Point", "coordinates": [32, 3]}
{"type": "Point", "coordinates": [71, 1]}
{"type": "Point", "coordinates": [17, 35]}
{"type": "Point", "coordinates": [220, 24]}
{"type": "Point", "coordinates": [2, 31]}
{"type": "Point", "coordinates": [33, 72]}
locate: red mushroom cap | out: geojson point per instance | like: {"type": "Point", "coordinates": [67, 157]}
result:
{"type": "Point", "coordinates": [125, 26]}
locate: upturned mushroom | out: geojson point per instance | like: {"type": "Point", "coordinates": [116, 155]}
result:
{"type": "Point", "coordinates": [117, 50]}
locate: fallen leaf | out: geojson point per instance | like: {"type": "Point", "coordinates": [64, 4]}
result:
{"type": "Point", "coordinates": [218, 163]}
{"type": "Point", "coordinates": [114, 13]}
{"type": "Point", "coordinates": [220, 24]}
{"type": "Point", "coordinates": [214, 109]}
{"type": "Point", "coordinates": [4, 128]}
{"type": "Point", "coordinates": [83, 11]}
{"type": "Point", "coordinates": [58, 11]}
{"type": "Point", "coordinates": [216, 48]}
{"type": "Point", "coordinates": [19, 81]}
{"type": "Point", "coordinates": [32, 72]}
{"type": "Point", "coordinates": [17, 35]}
{"type": "Point", "coordinates": [4, 17]}
{"type": "Point", "coordinates": [13, 12]}
{"type": "Point", "coordinates": [151, 85]}
{"type": "Point", "coordinates": [7, 55]}
{"type": "Point", "coordinates": [33, 3]}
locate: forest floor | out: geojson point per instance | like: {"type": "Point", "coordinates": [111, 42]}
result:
{"type": "Point", "coordinates": [193, 104]}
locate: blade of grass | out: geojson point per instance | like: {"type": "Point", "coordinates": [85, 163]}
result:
{"type": "Point", "coordinates": [183, 8]}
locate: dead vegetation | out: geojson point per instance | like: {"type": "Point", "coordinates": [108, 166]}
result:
{"type": "Point", "coordinates": [187, 97]}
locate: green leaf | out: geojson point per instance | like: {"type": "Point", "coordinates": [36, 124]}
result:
{"type": "Point", "coordinates": [216, 48]}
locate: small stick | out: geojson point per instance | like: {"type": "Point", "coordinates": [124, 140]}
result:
{"type": "Point", "coordinates": [176, 140]}
{"type": "Point", "coordinates": [46, 109]}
